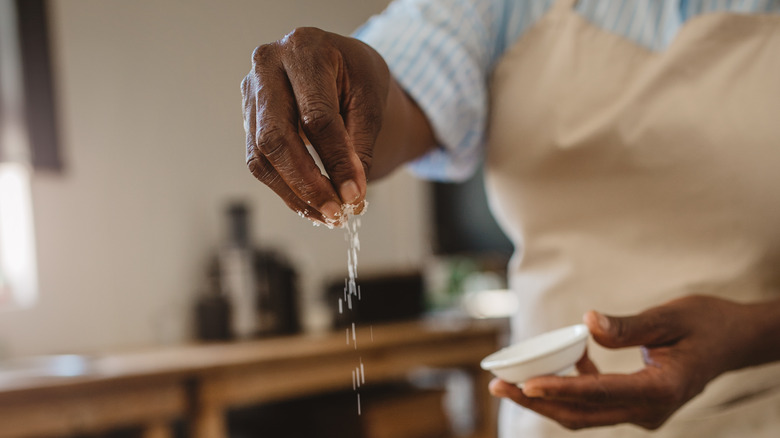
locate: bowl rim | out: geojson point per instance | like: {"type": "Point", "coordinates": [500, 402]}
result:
{"type": "Point", "coordinates": [581, 333]}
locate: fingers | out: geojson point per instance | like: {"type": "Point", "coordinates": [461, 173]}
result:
{"type": "Point", "coordinates": [654, 327]}
{"type": "Point", "coordinates": [330, 90]}
{"type": "Point", "coordinates": [315, 79]}
{"type": "Point", "coordinates": [364, 122]}
{"type": "Point", "coordinates": [572, 415]}
{"type": "Point", "coordinates": [646, 398]}
{"type": "Point", "coordinates": [645, 387]}
{"type": "Point", "coordinates": [265, 172]}
{"type": "Point", "coordinates": [276, 140]}
{"type": "Point", "coordinates": [259, 165]}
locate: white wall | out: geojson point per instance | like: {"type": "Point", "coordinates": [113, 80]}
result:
{"type": "Point", "coordinates": [150, 114]}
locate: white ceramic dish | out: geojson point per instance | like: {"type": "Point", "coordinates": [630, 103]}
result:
{"type": "Point", "coordinates": [553, 352]}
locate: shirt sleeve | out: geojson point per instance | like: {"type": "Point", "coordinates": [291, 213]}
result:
{"type": "Point", "coordinates": [442, 52]}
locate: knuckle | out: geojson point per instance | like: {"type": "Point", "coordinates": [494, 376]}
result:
{"type": "Point", "coordinates": [319, 120]}
{"type": "Point", "coordinates": [253, 165]}
{"type": "Point", "coordinates": [305, 45]}
{"type": "Point", "coordinates": [272, 143]}
{"type": "Point", "coordinates": [271, 140]}
{"type": "Point", "coordinates": [262, 54]}
{"type": "Point", "coordinates": [339, 162]}
{"type": "Point", "coordinates": [257, 169]}
{"type": "Point", "coordinates": [620, 329]}
{"type": "Point", "coordinates": [264, 173]}
{"type": "Point", "coordinates": [302, 36]}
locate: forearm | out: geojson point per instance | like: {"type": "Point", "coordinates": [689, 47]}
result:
{"type": "Point", "coordinates": [405, 135]}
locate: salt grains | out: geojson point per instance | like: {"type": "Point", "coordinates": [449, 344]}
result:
{"type": "Point", "coordinates": [351, 224]}
{"type": "Point", "coordinates": [354, 335]}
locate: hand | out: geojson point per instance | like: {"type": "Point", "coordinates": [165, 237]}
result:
{"type": "Point", "coordinates": [334, 89]}
{"type": "Point", "coordinates": [685, 344]}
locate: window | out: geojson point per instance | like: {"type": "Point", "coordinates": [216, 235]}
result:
{"type": "Point", "coordinates": [18, 273]}
{"type": "Point", "coordinates": [27, 141]}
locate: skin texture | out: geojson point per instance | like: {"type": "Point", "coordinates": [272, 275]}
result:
{"type": "Point", "coordinates": [336, 93]}
{"type": "Point", "coordinates": [685, 344]}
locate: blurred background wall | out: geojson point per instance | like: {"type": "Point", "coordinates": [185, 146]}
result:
{"type": "Point", "coordinates": [150, 124]}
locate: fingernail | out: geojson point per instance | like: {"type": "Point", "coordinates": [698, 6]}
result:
{"type": "Point", "coordinates": [363, 207]}
{"type": "Point", "coordinates": [349, 192]}
{"type": "Point", "coordinates": [331, 210]}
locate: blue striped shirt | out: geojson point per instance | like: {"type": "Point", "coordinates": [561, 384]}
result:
{"type": "Point", "coordinates": [442, 52]}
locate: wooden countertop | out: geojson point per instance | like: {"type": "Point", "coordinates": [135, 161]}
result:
{"type": "Point", "coordinates": [219, 375]}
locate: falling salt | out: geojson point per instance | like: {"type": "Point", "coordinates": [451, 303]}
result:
{"type": "Point", "coordinates": [372, 333]}
{"type": "Point", "coordinates": [354, 336]}
{"type": "Point", "coordinates": [351, 224]}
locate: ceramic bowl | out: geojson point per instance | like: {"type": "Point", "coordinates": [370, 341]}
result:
{"type": "Point", "coordinates": [554, 352]}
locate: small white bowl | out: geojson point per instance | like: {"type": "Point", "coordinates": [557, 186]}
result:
{"type": "Point", "coordinates": [554, 352]}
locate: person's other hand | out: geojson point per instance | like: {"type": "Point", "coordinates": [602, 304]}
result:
{"type": "Point", "coordinates": [330, 89]}
{"type": "Point", "coordinates": [685, 344]}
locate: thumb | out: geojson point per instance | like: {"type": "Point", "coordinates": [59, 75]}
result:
{"type": "Point", "coordinates": [652, 327]}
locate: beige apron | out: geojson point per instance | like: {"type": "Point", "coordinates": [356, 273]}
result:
{"type": "Point", "coordinates": [627, 178]}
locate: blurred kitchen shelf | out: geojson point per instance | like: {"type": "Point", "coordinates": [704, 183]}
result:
{"type": "Point", "coordinates": [200, 382]}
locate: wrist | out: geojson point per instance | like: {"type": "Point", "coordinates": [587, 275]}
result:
{"type": "Point", "coordinates": [406, 133]}
{"type": "Point", "coordinates": [757, 326]}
